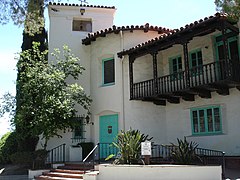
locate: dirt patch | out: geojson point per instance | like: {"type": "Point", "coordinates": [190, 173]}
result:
{"type": "Point", "coordinates": [11, 169]}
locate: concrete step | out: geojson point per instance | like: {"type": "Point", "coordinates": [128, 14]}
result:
{"type": "Point", "coordinates": [52, 178]}
{"type": "Point", "coordinates": [74, 166]}
{"type": "Point", "coordinates": [63, 174]}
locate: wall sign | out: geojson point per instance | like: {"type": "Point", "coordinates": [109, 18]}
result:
{"type": "Point", "coordinates": [146, 148]}
{"type": "Point", "coordinates": [109, 129]}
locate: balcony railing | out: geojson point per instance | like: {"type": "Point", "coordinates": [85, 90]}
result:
{"type": "Point", "coordinates": [222, 72]}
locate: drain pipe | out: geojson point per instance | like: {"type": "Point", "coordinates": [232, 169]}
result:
{"type": "Point", "coordinates": [123, 102]}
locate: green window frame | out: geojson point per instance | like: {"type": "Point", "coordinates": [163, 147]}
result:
{"type": "Point", "coordinates": [108, 72]}
{"type": "Point", "coordinates": [196, 62]}
{"type": "Point", "coordinates": [175, 66]}
{"type": "Point", "coordinates": [206, 120]}
{"type": "Point", "coordinates": [231, 42]}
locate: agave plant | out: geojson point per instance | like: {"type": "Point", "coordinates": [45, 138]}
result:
{"type": "Point", "coordinates": [129, 146]}
{"type": "Point", "coordinates": [184, 152]}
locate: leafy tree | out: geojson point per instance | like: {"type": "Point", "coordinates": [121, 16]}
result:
{"type": "Point", "coordinates": [48, 102]}
{"type": "Point", "coordinates": [231, 7]}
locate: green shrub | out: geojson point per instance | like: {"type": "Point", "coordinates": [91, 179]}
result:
{"type": "Point", "coordinates": [129, 146]}
{"type": "Point", "coordinates": [8, 146]}
{"type": "Point", "coordinates": [184, 152]}
{"type": "Point", "coordinates": [23, 158]}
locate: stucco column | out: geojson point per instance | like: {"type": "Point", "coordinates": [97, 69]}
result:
{"type": "Point", "coordinates": [155, 74]}
{"type": "Point", "coordinates": [186, 63]}
{"type": "Point", "coordinates": [131, 61]}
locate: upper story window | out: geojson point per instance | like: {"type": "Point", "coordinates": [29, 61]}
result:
{"type": "Point", "coordinates": [206, 120]}
{"type": "Point", "coordinates": [82, 25]}
{"type": "Point", "coordinates": [175, 66]}
{"type": "Point", "coordinates": [108, 72]}
{"type": "Point", "coordinates": [233, 48]}
{"type": "Point", "coordinates": [196, 62]}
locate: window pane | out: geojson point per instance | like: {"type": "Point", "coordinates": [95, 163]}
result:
{"type": "Point", "coordinates": [174, 62]}
{"type": "Point", "coordinates": [193, 56]}
{"type": "Point", "coordinates": [78, 132]}
{"type": "Point", "coordinates": [179, 63]}
{"type": "Point", "coordinates": [109, 72]}
{"type": "Point", "coordinates": [217, 122]}
{"type": "Point", "coordinates": [199, 55]}
{"type": "Point", "coordinates": [210, 120]}
{"type": "Point", "coordinates": [195, 122]}
{"type": "Point", "coordinates": [233, 47]}
{"type": "Point", "coordinates": [201, 121]}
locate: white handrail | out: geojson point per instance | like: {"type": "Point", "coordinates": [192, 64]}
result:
{"type": "Point", "coordinates": [90, 153]}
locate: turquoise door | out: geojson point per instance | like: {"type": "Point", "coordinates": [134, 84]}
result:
{"type": "Point", "coordinates": [108, 128]}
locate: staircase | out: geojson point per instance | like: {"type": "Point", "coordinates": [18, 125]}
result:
{"type": "Point", "coordinates": [66, 172]}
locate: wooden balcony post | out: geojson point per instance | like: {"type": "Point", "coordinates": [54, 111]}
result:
{"type": "Point", "coordinates": [131, 61]}
{"type": "Point", "coordinates": [155, 73]}
{"type": "Point", "coordinates": [225, 71]}
{"type": "Point", "coordinates": [224, 39]}
{"type": "Point", "coordinates": [186, 63]}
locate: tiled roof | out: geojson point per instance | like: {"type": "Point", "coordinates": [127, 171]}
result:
{"type": "Point", "coordinates": [116, 30]}
{"type": "Point", "coordinates": [176, 33]}
{"type": "Point", "coordinates": [81, 5]}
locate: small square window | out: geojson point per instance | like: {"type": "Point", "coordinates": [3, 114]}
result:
{"type": "Point", "coordinates": [82, 25]}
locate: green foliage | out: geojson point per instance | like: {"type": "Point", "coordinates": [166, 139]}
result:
{"type": "Point", "coordinates": [23, 158]}
{"type": "Point", "coordinates": [184, 152]}
{"type": "Point", "coordinates": [231, 7]}
{"type": "Point", "coordinates": [32, 159]}
{"type": "Point", "coordinates": [8, 146]}
{"type": "Point", "coordinates": [47, 101]}
{"type": "Point", "coordinates": [129, 145]}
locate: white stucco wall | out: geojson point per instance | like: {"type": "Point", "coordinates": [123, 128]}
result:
{"type": "Point", "coordinates": [158, 172]}
{"type": "Point", "coordinates": [112, 99]}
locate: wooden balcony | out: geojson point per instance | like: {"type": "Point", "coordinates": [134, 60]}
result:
{"type": "Point", "coordinates": [217, 76]}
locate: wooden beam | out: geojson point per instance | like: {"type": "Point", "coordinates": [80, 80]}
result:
{"type": "Point", "coordinates": [188, 97]}
{"type": "Point", "coordinates": [203, 93]}
{"type": "Point", "coordinates": [170, 98]}
{"type": "Point", "coordinates": [174, 100]}
{"type": "Point", "coordinates": [160, 102]}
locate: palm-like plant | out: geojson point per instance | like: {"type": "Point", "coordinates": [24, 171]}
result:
{"type": "Point", "coordinates": [129, 146]}
{"type": "Point", "coordinates": [184, 152]}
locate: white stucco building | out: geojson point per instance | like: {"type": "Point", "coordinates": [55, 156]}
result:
{"type": "Point", "coordinates": [165, 83]}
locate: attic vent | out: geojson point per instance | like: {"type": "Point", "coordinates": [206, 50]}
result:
{"type": "Point", "coordinates": [82, 25]}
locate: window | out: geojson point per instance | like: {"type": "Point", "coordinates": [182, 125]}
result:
{"type": "Point", "coordinates": [206, 120]}
{"type": "Point", "coordinates": [108, 71]}
{"type": "Point", "coordinates": [196, 62]}
{"type": "Point", "coordinates": [82, 25]}
{"type": "Point", "coordinates": [233, 49]}
{"type": "Point", "coordinates": [78, 131]}
{"type": "Point", "coordinates": [175, 66]}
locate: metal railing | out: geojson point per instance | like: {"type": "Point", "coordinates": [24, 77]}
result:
{"type": "Point", "coordinates": [57, 154]}
{"type": "Point", "coordinates": [163, 154]}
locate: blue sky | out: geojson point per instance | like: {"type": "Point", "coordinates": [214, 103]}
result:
{"type": "Point", "coordinates": [165, 13]}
